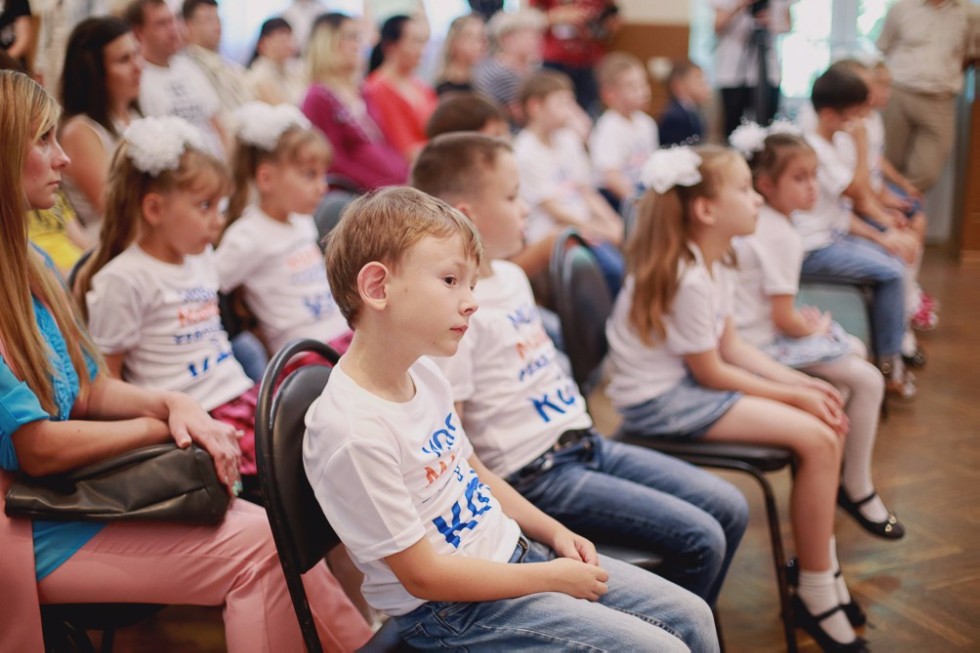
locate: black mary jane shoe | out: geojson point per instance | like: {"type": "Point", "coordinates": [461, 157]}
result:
{"type": "Point", "coordinates": [890, 529]}
{"type": "Point", "coordinates": [853, 611]}
{"type": "Point", "coordinates": [811, 624]}
{"type": "Point", "coordinates": [916, 360]}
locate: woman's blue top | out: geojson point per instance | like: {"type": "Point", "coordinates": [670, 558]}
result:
{"type": "Point", "coordinates": [54, 542]}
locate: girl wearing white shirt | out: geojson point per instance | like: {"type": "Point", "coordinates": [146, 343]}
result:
{"type": "Point", "coordinates": [269, 247]}
{"type": "Point", "coordinates": [150, 289]}
{"type": "Point", "coordinates": [785, 171]}
{"type": "Point", "coordinates": [679, 367]}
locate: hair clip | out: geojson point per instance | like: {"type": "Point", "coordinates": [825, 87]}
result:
{"type": "Point", "coordinates": [156, 144]}
{"type": "Point", "coordinates": [675, 166]}
{"type": "Point", "coordinates": [262, 125]}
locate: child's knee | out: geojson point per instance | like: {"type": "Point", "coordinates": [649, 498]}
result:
{"type": "Point", "coordinates": [820, 445]}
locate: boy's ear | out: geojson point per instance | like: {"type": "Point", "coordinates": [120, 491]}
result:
{"type": "Point", "coordinates": [466, 208]}
{"type": "Point", "coordinates": [152, 208]}
{"type": "Point", "coordinates": [372, 285]}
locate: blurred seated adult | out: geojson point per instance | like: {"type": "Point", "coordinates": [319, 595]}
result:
{"type": "Point", "coordinates": [398, 99]}
{"type": "Point", "coordinates": [274, 74]}
{"type": "Point", "coordinates": [464, 47]}
{"type": "Point", "coordinates": [516, 40]}
{"type": "Point", "coordinates": [334, 104]}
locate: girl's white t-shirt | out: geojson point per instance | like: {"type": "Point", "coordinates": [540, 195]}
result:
{"type": "Point", "coordinates": [164, 317]}
{"type": "Point", "coordinates": [517, 400]}
{"type": "Point", "coordinates": [769, 263]}
{"type": "Point", "coordinates": [284, 276]}
{"type": "Point", "coordinates": [623, 144]}
{"type": "Point", "coordinates": [694, 324]}
{"type": "Point", "coordinates": [388, 474]}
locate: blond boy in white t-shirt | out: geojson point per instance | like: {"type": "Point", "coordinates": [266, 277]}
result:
{"type": "Point", "coordinates": [525, 415]}
{"type": "Point", "coordinates": [437, 534]}
{"type": "Point", "coordinates": [624, 136]}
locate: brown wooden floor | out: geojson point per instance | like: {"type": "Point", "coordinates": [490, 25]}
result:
{"type": "Point", "coordinates": [921, 593]}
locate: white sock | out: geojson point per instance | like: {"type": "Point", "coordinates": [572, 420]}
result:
{"type": "Point", "coordinates": [818, 594]}
{"type": "Point", "coordinates": [909, 343]}
{"type": "Point", "coordinates": [843, 595]}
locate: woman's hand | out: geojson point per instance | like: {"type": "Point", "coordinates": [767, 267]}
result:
{"type": "Point", "coordinates": [190, 423]}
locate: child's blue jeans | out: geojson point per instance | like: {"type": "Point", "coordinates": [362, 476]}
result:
{"type": "Point", "coordinates": [641, 612]}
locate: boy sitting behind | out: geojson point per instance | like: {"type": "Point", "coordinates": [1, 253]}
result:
{"type": "Point", "coordinates": [624, 136]}
{"type": "Point", "coordinates": [681, 123]}
{"type": "Point", "coordinates": [840, 244]}
{"type": "Point", "coordinates": [432, 529]}
{"type": "Point", "coordinates": [465, 112]}
{"type": "Point", "coordinates": [557, 176]}
{"type": "Point", "coordinates": [525, 415]}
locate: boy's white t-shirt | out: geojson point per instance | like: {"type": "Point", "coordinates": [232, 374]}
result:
{"type": "Point", "coordinates": [181, 89]}
{"type": "Point", "coordinates": [164, 317]}
{"type": "Point", "coordinates": [694, 324]}
{"type": "Point", "coordinates": [831, 214]}
{"type": "Point", "coordinates": [517, 400]}
{"type": "Point", "coordinates": [623, 144]}
{"type": "Point", "coordinates": [769, 263]}
{"type": "Point", "coordinates": [388, 474]}
{"type": "Point", "coordinates": [284, 276]}
{"type": "Point", "coordinates": [555, 172]}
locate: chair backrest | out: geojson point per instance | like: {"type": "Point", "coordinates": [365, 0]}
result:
{"type": "Point", "coordinates": [583, 304]}
{"type": "Point", "coordinates": [301, 532]}
{"type": "Point", "coordinates": [75, 269]}
{"type": "Point", "coordinates": [331, 208]}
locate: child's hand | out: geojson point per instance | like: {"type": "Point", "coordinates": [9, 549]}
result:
{"type": "Point", "coordinates": [823, 407]}
{"type": "Point", "coordinates": [901, 244]}
{"type": "Point", "coordinates": [827, 389]}
{"type": "Point", "coordinates": [578, 579]}
{"type": "Point", "coordinates": [816, 320]}
{"type": "Point", "coordinates": [571, 545]}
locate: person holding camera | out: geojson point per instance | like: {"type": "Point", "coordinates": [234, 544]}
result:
{"type": "Point", "coordinates": [745, 52]}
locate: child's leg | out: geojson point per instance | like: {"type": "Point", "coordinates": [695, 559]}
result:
{"type": "Point", "coordinates": [857, 260]}
{"type": "Point", "coordinates": [818, 452]}
{"type": "Point", "coordinates": [641, 612]}
{"type": "Point", "coordinates": [645, 499]}
{"type": "Point", "coordinates": [234, 564]}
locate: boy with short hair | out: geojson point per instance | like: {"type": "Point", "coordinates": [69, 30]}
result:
{"type": "Point", "coordinates": [681, 123]}
{"type": "Point", "coordinates": [840, 244]}
{"type": "Point", "coordinates": [395, 474]}
{"type": "Point", "coordinates": [624, 136]}
{"type": "Point", "coordinates": [461, 112]}
{"type": "Point", "coordinates": [557, 180]}
{"type": "Point", "coordinates": [525, 415]}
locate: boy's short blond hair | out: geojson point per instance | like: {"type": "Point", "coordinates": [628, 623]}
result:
{"type": "Point", "coordinates": [542, 84]}
{"type": "Point", "coordinates": [613, 65]}
{"type": "Point", "coordinates": [453, 166]}
{"type": "Point", "coordinates": [382, 226]}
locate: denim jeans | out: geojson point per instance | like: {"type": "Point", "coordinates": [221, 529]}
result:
{"type": "Point", "coordinates": [641, 612]}
{"type": "Point", "coordinates": [859, 260]}
{"type": "Point", "coordinates": [640, 498]}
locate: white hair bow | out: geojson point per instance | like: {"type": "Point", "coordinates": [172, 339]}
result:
{"type": "Point", "coordinates": [261, 125]}
{"type": "Point", "coordinates": [156, 144]}
{"type": "Point", "coordinates": [749, 137]}
{"type": "Point", "coordinates": [676, 166]}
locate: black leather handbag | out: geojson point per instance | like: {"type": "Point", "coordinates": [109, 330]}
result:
{"type": "Point", "coordinates": [161, 482]}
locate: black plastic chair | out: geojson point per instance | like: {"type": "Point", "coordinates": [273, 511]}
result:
{"type": "Point", "coordinates": [330, 210]}
{"type": "Point", "coordinates": [302, 534]}
{"type": "Point", "coordinates": [583, 305]}
{"type": "Point", "coordinates": [65, 624]}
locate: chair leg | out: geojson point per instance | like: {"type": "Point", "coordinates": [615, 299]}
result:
{"type": "Point", "coordinates": [108, 639]}
{"type": "Point", "coordinates": [721, 637]}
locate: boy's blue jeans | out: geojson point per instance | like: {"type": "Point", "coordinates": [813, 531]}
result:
{"type": "Point", "coordinates": [641, 612]}
{"type": "Point", "coordinates": [621, 494]}
{"type": "Point", "coordinates": [858, 260]}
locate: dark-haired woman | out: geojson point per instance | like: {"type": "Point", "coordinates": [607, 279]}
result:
{"type": "Point", "coordinates": [274, 75]}
{"type": "Point", "coordinates": [397, 99]}
{"type": "Point", "coordinates": [99, 88]}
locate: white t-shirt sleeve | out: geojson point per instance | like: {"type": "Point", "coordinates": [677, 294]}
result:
{"type": "Point", "coordinates": [834, 171]}
{"type": "Point", "coordinates": [115, 313]}
{"type": "Point", "coordinates": [604, 145]}
{"type": "Point", "coordinates": [780, 261]}
{"type": "Point", "coordinates": [691, 325]}
{"type": "Point", "coordinates": [539, 180]}
{"type": "Point", "coordinates": [236, 259]}
{"type": "Point", "coordinates": [363, 493]}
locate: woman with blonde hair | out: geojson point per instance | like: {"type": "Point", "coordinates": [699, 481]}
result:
{"type": "Point", "coordinates": [464, 47]}
{"type": "Point", "coordinates": [335, 104]}
{"type": "Point", "coordinates": [59, 410]}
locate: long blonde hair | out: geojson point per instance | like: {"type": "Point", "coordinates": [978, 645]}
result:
{"type": "Point", "coordinates": [127, 187]}
{"type": "Point", "coordinates": [452, 35]}
{"type": "Point", "coordinates": [27, 113]}
{"type": "Point", "coordinates": [659, 240]}
{"type": "Point", "coordinates": [321, 50]}
{"type": "Point", "coordinates": [296, 146]}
